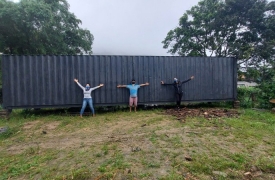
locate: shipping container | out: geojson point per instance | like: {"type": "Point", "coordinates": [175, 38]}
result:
{"type": "Point", "coordinates": [47, 81]}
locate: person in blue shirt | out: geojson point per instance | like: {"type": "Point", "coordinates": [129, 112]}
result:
{"type": "Point", "coordinates": [133, 99]}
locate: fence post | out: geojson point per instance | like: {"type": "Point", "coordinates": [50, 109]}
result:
{"type": "Point", "coordinates": [236, 104]}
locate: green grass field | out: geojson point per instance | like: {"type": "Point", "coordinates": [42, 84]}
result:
{"type": "Point", "coordinates": [144, 145]}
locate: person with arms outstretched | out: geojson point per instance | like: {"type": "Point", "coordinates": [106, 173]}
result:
{"type": "Point", "coordinates": [178, 89]}
{"type": "Point", "coordinates": [87, 90]}
{"type": "Point", "coordinates": [133, 99]}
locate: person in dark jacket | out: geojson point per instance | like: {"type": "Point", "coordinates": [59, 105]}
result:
{"type": "Point", "coordinates": [178, 88]}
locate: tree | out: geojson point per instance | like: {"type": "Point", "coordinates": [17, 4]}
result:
{"type": "Point", "coordinates": [194, 37]}
{"type": "Point", "coordinates": [255, 35]}
{"type": "Point", "coordinates": [41, 27]}
{"type": "Point", "coordinates": [240, 28]}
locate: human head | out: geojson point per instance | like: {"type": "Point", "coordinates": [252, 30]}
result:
{"type": "Point", "coordinates": [87, 87]}
{"type": "Point", "coordinates": [133, 81]}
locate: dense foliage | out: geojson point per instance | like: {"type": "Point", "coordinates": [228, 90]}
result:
{"type": "Point", "coordinates": [248, 96]}
{"type": "Point", "coordinates": [267, 89]}
{"type": "Point", "coordinates": [244, 29]}
{"type": "Point", "coordinates": [41, 27]}
{"type": "Point", "coordinates": [261, 95]}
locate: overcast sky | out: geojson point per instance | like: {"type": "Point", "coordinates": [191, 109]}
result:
{"type": "Point", "coordinates": [129, 27]}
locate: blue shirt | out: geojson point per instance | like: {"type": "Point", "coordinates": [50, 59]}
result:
{"type": "Point", "coordinates": [133, 90]}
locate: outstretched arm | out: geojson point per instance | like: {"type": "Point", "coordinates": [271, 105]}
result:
{"type": "Point", "coordinates": [146, 84]}
{"type": "Point", "coordinates": [192, 77]}
{"type": "Point", "coordinates": [121, 86]}
{"type": "Point", "coordinates": [162, 83]}
{"type": "Point", "coordinates": [97, 86]}
{"type": "Point", "coordinates": [76, 80]}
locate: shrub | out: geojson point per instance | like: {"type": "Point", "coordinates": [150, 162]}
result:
{"type": "Point", "coordinates": [248, 96]}
{"type": "Point", "coordinates": [267, 92]}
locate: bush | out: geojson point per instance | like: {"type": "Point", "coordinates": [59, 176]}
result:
{"type": "Point", "coordinates": [248, 96]}
{"type": "Point", "coordinates": [259, 96]}
{"type": "Point", "coordinates": [267, 92]}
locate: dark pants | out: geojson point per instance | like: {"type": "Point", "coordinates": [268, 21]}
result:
{"type": "Point", "coordinates": [178, 98]}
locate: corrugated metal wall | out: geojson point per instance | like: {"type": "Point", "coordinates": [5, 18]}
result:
{"type": "Point", "coordinates": [47, 81]}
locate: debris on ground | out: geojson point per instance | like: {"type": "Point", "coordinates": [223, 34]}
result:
{"type": "Point", "coordinates": [247, 174]}
{"type": "Point", "coordinates": [207, 113]}
{"type": "Point", "coordinates": [219, 173]}
{"type": "Point", "coordinates": [136, 149]}
{"type": "Point", "coordinates": [3, 129]}
{"type": "Point", "coordinates": [143, 125]}
{"type": "Point", "coordinates": [188, 158]}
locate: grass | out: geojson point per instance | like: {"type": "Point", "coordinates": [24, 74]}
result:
{"type": "Point", "coordinates": [144, 145]}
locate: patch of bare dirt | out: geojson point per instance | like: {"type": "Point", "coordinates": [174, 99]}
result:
{"type": "Point", "coordinates": [31, 124]}
{"type": "Point", "coordinates": [51, 125]}
{"type": "Point", "coordinates": [208, 113]}
{"type": "Point", "coordinates": [48, 136]}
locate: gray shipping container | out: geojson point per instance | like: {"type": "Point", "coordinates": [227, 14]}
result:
{"type": "Point", "coordinates": [47, 81]}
